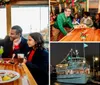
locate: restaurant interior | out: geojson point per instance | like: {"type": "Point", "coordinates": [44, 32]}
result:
{"type": "Point", "coordinates": [78, 7]}
{"type": "Point", "coordinates": [31, 16]}
{"type": "Point", "coordinates": [25, 13]}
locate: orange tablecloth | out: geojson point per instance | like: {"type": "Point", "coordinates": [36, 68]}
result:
{"type": "Point", "coordinates": [25, 76]}
{"type": "Point", "coordinates": [75, 35]}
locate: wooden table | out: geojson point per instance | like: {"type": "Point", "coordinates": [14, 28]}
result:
{"type": "Point", "coordinates": [25, 76]}
{"type": "Point", "coordinates": [75, 35]}
{"type": "Point", "coordinates": [51, 23]}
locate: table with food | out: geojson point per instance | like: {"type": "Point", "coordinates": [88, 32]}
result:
{"type": "Point", "coordinates": [82, 33]}
{"type": "Point", "coordinates": [13, 74]}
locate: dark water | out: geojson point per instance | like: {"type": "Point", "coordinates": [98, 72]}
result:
{"type": "Point", "coordinates": [94, 80]}
{"type": "Point", "coordinates": [54, 82]}
{"type": "Point", "coordinates": [57, 83]}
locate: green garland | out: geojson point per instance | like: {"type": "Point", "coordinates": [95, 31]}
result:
{"type": "Point", "coordinates": [3, 2]}
{"type": "Point", "coordinates": [76, 4]}
{"type": "Point", "coordinates": [70, 1]}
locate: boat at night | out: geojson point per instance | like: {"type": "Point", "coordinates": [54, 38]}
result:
{"type": "Point", "coordinates": [73, 69]}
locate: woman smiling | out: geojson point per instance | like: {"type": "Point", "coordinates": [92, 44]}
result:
{"type": "Point", "coordinates": [37, 59]}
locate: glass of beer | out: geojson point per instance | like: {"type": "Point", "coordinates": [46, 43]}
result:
{"type": "Point", "coordinates": [20, 59]}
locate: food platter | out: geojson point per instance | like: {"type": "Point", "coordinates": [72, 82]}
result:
{"type": "Point", "coordinates": [8, 76]}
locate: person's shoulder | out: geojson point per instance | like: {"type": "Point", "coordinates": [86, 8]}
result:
{"type": "Point", "coordinates": [7, 38]}
{"type": "Point", "coordinates": [61, 14]}
{"type": "Point", "coordinates": [44, 51]}
{"type": "Point", "coordinates": [82, 18]}
{"type": "Point", "coordinates": [4, 40]}
{"type": "Point", "coordinates": [89, 18]}
{"type": "Point", "coordinates": [23, 39]}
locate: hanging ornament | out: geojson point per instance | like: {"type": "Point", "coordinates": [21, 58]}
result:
{"type": "Point", "coordinates": [3, 2]}
{"type": "Point", "coordinates": [72, 3]}
{"type": "Point", "coordinates": [66, 1]}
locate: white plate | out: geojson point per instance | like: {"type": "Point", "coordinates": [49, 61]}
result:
{"type": "Point", "coordinates": [10, 71]}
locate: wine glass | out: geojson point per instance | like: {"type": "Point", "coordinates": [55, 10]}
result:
{"type": "Point", "coordinates": [20, 59]}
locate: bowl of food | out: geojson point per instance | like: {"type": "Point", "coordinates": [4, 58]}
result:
{"type": "Point", "coordinates": [8, 76]}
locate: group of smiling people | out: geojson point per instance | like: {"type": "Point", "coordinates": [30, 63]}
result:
{"type": "Point", "coordinates": [65, 23]}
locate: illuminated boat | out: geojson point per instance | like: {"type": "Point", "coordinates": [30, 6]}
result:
{"type": "Point", "coordinates": [73, 69]}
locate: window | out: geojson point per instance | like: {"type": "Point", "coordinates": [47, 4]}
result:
{"type": "Point", "coordinates": [3, 27]}
{"type": "Point", "coordinates": [30, 18]}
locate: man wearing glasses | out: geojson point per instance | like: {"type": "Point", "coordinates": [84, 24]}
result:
{"type": "Point", "coordinates": [63, 24]}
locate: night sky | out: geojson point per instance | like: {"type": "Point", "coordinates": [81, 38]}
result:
{"type": "Point", "coordinates": [59, 51]}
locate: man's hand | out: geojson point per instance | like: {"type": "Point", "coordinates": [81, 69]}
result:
{"type": "Point", "coordinates": [71, 29]}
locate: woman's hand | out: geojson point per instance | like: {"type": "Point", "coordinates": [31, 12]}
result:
{"type": "Point", "coordinates": [93, 28]}
{"type": "Point", "coordinates": [25, 60]}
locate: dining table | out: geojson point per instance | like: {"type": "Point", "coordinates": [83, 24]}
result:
{"type": "Point", "coordinates": [82, 34]}
{"type": "Point", "coordinates": [51, 23]}
{"type": "Point", "coordinates": [25, 76]}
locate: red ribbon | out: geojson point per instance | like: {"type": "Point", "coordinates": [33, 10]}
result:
{"type": "Point", "coordinates": [72, 2]}
{"type": "Point", "coordinates": [31, 56]}
{"type": "Point", "coordinates": [66, 1]}
{"type": "Point", "coordinates": [16, 47]}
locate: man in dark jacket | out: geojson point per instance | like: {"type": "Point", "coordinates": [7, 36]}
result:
{"type": "Point", "coordinates": [14, 43]}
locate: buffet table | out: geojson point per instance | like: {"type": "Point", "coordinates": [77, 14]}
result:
{"type": "Point", "coordinates": [76, 35]}
{"type": "Point", "coordinates": [25, 76]}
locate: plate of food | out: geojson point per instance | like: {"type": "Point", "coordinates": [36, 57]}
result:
{"type": "Point", "coordinates": [8, 76]}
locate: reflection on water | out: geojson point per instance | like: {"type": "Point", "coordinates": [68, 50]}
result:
{"type": "Point", "coordinates": [54, 82]}
{"type": "Point", "coordinates": [92, 81]}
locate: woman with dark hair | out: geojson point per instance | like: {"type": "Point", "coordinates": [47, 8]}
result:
{"type": "Point", "coordinates": [77, 17]}
{"type": "Point", "coordinates": [86, 20]}
{"type": "Point", "coordinates": [96, 23]}
{"type": "Point", "coordinates": [37, 59]}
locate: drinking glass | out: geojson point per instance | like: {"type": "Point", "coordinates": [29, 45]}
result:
{"type": "Point", "coordinates": [20, 59]}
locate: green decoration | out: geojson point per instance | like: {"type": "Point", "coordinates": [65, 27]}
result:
{"type": "Point", "coordinates": [69, 57]}
{"type": "Point", "coordinates": [77, 6]}
{"type": "Point", "coordinates": [83, 36]}
{"type": "Point", "coordinates": [62, 1]}
{"type": "Point", "coordinates": [3, 2]}
{"type": "Point", "coordinates": [1, 51]}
